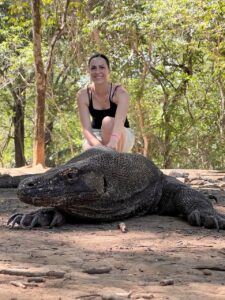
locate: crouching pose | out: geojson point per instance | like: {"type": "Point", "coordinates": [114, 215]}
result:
{"type": "Point", "coordinates": [107, 104]}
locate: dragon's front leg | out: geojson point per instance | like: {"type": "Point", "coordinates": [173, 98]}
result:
{"type": "Point", "coordinates": [43, 217]}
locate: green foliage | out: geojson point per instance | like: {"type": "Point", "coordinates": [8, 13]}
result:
{"type": "Point", "coordinates": [180, 92]}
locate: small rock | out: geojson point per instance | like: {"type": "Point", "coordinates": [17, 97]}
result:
{"type": "Point", "coordinates": [176, 174]}
{"type": "Point", "coordinates": [97, 270]}
{"type": "Point", "coordinates": [36, 279]}
{"type": "Point", "coordinates": [197, 182]}
{"type": "Point", "coordinates": [139, 296]}
{"type": "Point", "coordinates": [191, 178]}
{"type": "Point", "coordinates": [18, 284]}
{"type": "Point", "coordinates": [122, 227]}
{"type": "Point", "coordinates": [109, 296]}
{"type": "Point", "coordinates": [207, 272]}
{"type": "Point", "coordinates": [221, 184]}
{"type": "Point", "coordinates": [165, 282]}
{"type": "Point", "coordinates": [208, 179]}
{"type": "Point", "coordinates": [210, 185]}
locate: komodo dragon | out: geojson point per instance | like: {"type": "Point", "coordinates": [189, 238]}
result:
{"type": "Point", "coordinates": [101, 185]}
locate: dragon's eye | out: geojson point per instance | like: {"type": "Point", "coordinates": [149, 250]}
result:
{"type": "Point", "coordinates": [68, 174]}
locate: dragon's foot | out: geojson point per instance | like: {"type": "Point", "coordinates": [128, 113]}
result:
{"type": "Point", "coordinates": [39, 218]}
{"type": "Point", "coordinates": [207, 218]}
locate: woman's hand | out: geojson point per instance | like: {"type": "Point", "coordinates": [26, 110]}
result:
{"type": "Point", "coordinates": [113, 142]}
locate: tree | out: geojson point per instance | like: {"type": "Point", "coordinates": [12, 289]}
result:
{"type": "Point", "coordinates": [41, 75]}
{"type": "Point", "coordinates": [16, 73]}
{"type": "Point", "coordinates": [169, 54]}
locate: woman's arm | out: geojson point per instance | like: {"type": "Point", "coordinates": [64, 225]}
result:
{"type": "Point", "coordinates": [82, 101]}
{"type": "Point", "coordinates": [122, 99]}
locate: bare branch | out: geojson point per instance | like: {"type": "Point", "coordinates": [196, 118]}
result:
{"type": "Point", "coordinates": [27, 81]}
{"type": "Point", "coordinates": [56, 36]}
{"type": "Point", "coordinates": [4, 144]}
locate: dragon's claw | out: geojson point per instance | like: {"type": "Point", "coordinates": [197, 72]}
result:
{"type": "Point", "coordinates": [13, 217]}
{"type": "Point", "coordinates": [39, 218]}
{"type": "Point", "coordinates": [194, 218]}
{"type": "Point", "coordinates": [208, 219]}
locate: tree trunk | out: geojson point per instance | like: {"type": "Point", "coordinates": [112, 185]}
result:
{"type": "Point", "coordinates": [142, 127]}
{"type": "Point", "coordinates": [222, 112]}
{"type": "Point", "coordinates": [48, 142]}
{"type": "Point", "coordinates": [18, 121]}
{"type": "Point", "coordinates": [167, 138]}
{"type": "Point", "coordinates": [140, 112]}
{"type": "Point", "coordinates": [41, 75]}
{"type": "Point", "coordinates": [38, 146]}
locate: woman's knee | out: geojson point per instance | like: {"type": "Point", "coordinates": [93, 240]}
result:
{"type": "Point", "coordinates": [107, 123]}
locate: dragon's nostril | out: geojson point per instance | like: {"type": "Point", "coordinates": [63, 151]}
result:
{"type": "Point", "coordinates": [70, 175]}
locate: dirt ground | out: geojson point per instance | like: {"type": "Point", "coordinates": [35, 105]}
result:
{"type": "Point", "coordinates": [158, 258]}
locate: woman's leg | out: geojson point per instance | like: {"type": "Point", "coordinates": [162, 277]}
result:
{"type": "Point", "coordinates": [125, 143]}
{"type": "Point", "coordinates": [129, 140]}
{"type": "Point", "coordinates": [107, 127]}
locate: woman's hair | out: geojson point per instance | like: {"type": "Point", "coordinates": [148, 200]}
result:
{"type": "Point", "coordinates": [99, 55]}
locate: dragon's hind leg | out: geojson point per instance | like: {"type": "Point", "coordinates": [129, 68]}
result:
{"type": "Point", "coordinates": [180, 199]}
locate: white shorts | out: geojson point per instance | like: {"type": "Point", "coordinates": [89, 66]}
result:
{"type": "Point", "coordinates": [128, 142]}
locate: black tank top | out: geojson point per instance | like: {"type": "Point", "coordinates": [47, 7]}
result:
{"type": "Point", "coordinates": [99, 114]}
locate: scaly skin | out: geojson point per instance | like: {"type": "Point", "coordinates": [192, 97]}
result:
{"type": "Point", "coordinates": [103, 185]}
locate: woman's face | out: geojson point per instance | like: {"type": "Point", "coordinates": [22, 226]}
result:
{"type": "Point", "coordinates": [98, 70]}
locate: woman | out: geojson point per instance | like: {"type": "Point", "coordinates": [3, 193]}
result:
{"type": "Point", "coordinates": [108, 105]}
